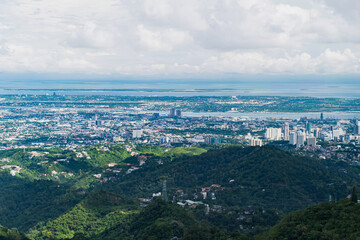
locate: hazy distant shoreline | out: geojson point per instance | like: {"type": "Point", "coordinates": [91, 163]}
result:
{"type": "Point", "coordinates": [172, 92]}
{"type": "Point", "coordinates": [320, 87]}
{"type": "Point", "coordinates": [278, 115]}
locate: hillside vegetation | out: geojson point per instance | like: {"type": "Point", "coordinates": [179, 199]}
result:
{"type": "Point", "coordinates": [11, 234]}
{"type": "Point", "coordinates": [24, 203]}
{"type": "Point", "coordinates": [66, 194]}
{"type": "Point", "coordinates": [265, 176]}
{"type": "Point", "coordinates": [163, 220]}
{"type": "Point", "coordinates": [95, 214]}
{"type": "Point", "coordinates": [107, 217]}
{"type": "Point", "coordinates": [328, 221]}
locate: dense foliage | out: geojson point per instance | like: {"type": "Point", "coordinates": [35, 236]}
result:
{"type": "Point", "coordinates": [95, 214]}
{"type": "Point", "coordinates": [248, 190]}
{"type": "Point", "coordinates": [24, 203]}
{"type": "Point", "coordinates": [266, 177]}
{"type": "Point", "coordinates": [328, 221]}
{"type": "Point", "coordinates": [11, 234]}
{"type": "Point", "coordinates": [54, 180]}
{"type": "Point", "coordinates": [163, 220]}
{"type": "Point", "coordinates": [106, 216]}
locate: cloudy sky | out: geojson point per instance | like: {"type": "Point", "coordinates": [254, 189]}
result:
{"type": "Point", "coordinates": [180, 37]}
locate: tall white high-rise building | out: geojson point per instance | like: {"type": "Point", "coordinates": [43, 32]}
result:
{"type": "Point", "coordinates": [137, 133]}
{"type": "Point", "coordinates": [317, 132]}
{"type": "Point", "coordinates": [311, 141]}
{"type": "Point", "coordinates": [286, 131]}
{"type": "Point", "coordinates": [300, 139]}
{"type": "Point", "coordinates": [292, 138]}
{"type": "Point", "coordinates": [163, 140]}
{"type": "Point", "coordinates": [336, 133]}
{"type": "Point", "coordinates": [273, 133]}
{"type": "Point", "coordinates": [357, 127]}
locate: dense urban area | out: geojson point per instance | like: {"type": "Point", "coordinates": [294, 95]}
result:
{"type": "Point", "coordinates": [73, 122]}
{"type": "Point", "coordinates": [237, 167]}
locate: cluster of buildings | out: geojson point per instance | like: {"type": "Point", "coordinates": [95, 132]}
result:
{"type": "Point", "coordinates": [309, 131]}
{"type": "Point", "coordinates": [74, 127]}
{"type": "Point", "coordinates": [175, 112]}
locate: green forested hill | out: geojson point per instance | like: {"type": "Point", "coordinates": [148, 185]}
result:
{"type": "Point", "coordinates": [163, 220]}
{"type": "Point", "coordinates": [54, 180]}
{"type": "Point", "coordinates": [265, 176]}
{"type": "Point", "coordinates": [328, 221]}
{"type": "Point", "coordinates": [247, 189]}
{"type": "Point", "coordinates": [23, 203]}
{"type": "Point", "coordinates": [10, 234]}
{"type": "Point", "coordinates": [106, 216]}
{"type": "Point", "coordinates": [97, 213]}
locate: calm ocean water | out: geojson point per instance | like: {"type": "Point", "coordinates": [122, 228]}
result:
{"type": "Point", "coordinates": [347, 88]}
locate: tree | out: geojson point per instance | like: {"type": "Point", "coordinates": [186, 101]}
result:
{"type": "Point", "coordinates": [353, 195]}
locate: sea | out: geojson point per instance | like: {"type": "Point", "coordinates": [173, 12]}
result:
{"type": "Point", "coordinates": [295, 87]}
{"type": "Point", "coordinates": [300, 87]}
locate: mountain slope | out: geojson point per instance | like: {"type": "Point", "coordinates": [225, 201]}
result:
{"type": "Point", "coordinates": [163, 220]}
{"type": "Point", "coordinates": [10, 234]}
{"type": "Point", "coordinates": [105, 216]}
{"type": "Point", "coordinates": [98, 212]}
{"type": "Point", "coordinates": [323, 221]}
{"type": "Point", "coordinates": [24, 203]}
{"type": "Point", "coordinates": [265, 176]}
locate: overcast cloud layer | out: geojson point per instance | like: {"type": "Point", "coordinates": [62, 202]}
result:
{"type": "Point", "coordinates": [171, 37]}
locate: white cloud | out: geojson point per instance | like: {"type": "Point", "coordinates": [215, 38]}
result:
{"type": "Point", "coordinates": [338, 62]}
{"type": "Point", "coordinates": [328, 62]}
{"type": "Point", "coordinates": [4, 48]}
{"type": "Point", "coordinates": [90, 35]}
{"type": "Point", "coordinates": [164, 40]}
{"type": "Point", "coordinates": [164, 37]}
{"type": "Point", "coordinates": [157, 8]}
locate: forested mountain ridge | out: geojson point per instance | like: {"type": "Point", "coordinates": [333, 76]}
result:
{"type": "Point", "coordinates": [164, 220]}
{"type": "Point", "coordinates": [97, 213]}
{"type": "Point", "coordinates": [106, 216]}
{"type": "Point", "coordinates": [263, 176]}
{"type": "Point", "coordinates": [49, 182]}
{"type": "Point", "coordinates": [24, 203]}
{"type": "Point", "coordinates": [246, 189]}
{"type": "Point", "coordinates": [330, 221]}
